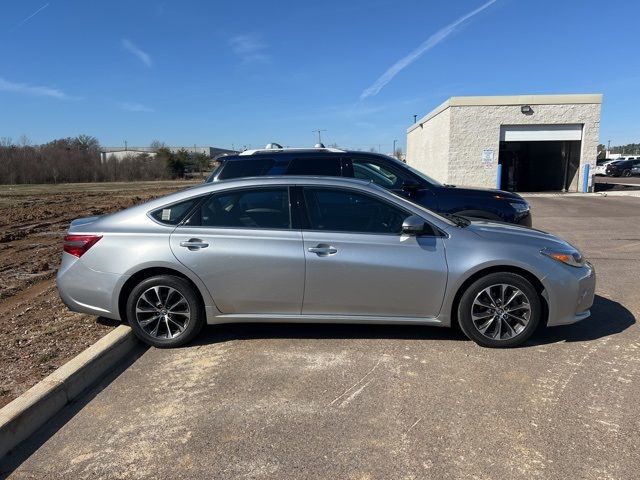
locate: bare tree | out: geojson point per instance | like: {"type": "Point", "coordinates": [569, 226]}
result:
{"type": "Point", "coordinates": [72, 160]}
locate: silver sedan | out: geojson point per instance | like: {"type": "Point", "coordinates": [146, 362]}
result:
{"type": "Point", "coordinates": [301, 249]}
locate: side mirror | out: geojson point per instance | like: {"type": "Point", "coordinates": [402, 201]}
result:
{"type": "Point", "coordinates": [413, 225]}
{"type": "Point", "coordinates": [411, 186]}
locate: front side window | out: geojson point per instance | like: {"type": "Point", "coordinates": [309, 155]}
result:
{"type": "Point", "coordinates": [330, 167]}
{"type": "Point", "coordinates": [245, 208]}
{"type": "Point", "coordinates": [257, 167]}
{"type": "Point", "coordinates": [340, 210]}
{"type": "Point", "coordinates": [379, 173]}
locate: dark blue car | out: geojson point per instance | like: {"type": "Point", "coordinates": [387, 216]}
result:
{"type": "Point", "coordinates": [388, 172]}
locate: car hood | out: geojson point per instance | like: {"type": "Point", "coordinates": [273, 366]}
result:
{"type": "Point", "coordinates": [478, 192]}
{"type": "Point", "coordinates": [515, 233]}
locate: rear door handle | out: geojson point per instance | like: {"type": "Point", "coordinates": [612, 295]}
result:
{"type": "Point", "coordinates": [323, 250]}
{"type": "Point", "coordinates": [194, 244]}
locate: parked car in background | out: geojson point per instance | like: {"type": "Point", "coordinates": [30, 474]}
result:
{"type": "Point", "coordinates": [621, 168]}
{"type": "Point", "coordinates": [330, 250]}
{"type": "Point", "coordinates": [601, 166]}
{"type": "Point", "coordinates": [635, 171]}
{"type": "Point", "coordinates": [382, 170]}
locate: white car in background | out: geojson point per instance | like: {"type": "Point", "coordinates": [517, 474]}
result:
{"type": "Point", "coordinates": [601, 166]}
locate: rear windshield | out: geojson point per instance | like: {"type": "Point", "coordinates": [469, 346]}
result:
{"type": "Point", "coordinates": [246, 168]}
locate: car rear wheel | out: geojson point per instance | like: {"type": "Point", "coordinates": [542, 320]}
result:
{"type": "Point", "coordinates": [626, 173]}
{"type": "Point", "coordinates": [499, 310]}
{"type": "Point", "coordinates": [164, 311]}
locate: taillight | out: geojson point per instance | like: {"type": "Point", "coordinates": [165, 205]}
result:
{"type": "Point", "coordinates": [77, 245]}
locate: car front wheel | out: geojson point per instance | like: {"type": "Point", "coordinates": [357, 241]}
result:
{"type": "Point", "coordinates": [499, 310]}
{"type": "Point", "coordinates": [164, 311]}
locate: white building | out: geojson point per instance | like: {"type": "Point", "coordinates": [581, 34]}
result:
{"type": "Point", "coordinates": [519, 143]}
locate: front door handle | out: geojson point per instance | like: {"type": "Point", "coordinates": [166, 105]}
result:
{"type": "Point", "coordinates": [194, 244]}
{"type": "Point", "coordinates": [323, 250]}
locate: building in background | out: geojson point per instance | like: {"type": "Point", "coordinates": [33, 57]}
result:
{"type": "Point", "coordinates": [540, 142]}
{"type": "Point", "coordinates": [120, 153]}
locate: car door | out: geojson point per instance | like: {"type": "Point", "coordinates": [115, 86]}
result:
{"type": "Point", "coordinates": [241, 244]}
{"type": "Point", "coordinates": [359, 263]}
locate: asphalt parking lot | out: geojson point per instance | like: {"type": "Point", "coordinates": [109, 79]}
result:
{"type": "Point", "coordinates": [364, 402]}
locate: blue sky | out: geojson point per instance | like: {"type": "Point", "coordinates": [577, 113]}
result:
{"type": "Point", "coordinates": [245, 73]}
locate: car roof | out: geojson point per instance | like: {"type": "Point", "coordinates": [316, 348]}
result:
{"type": "Point", "coordinates": [290, 150]}
{"type": "Point", "coordinates": [205, 188]}
{"type": "Point", "coordinates": [303, 152]}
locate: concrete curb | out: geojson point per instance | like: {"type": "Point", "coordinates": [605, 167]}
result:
{"type": "Point", "coordinates": [23, 416]}
{"type": "Point", "coordinates": [611, 193]}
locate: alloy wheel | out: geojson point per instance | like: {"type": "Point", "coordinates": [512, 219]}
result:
{"type": "Point", "coordinates": [500, 312]}
{"type": "Point", "coordinates": [162, 312]}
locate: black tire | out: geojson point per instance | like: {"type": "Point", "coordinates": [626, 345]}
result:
{"type": "Point", "coordinates": [626, 173]}
{"type": "Point", "coordinates": [170, 290]}
{"type": "Point", "coordinates": [504, 339]}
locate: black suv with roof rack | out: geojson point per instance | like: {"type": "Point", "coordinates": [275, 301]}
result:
{"type": "Point", "coordinates": [388, 172]}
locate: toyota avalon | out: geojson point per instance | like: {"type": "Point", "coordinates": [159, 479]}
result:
{"type": "Point", "coordinates": [309, 249]}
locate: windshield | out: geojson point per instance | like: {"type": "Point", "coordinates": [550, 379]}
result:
{"type": "Point", "coordinates": [433, 213]}
{"type": "Point", "coordinates": [423, 176]}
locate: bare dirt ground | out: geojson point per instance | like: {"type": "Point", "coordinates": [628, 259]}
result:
{"type": "Point", "coordinates": [37, 332]}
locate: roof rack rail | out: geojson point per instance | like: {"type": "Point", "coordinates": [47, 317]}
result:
{"type": "Point", "coordinates": [272, 148]}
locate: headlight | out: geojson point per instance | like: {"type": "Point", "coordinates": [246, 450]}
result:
{"type": "Point", "coordinates": [520, 207]}
{"type": "Point", "coordinates": [569, 256]}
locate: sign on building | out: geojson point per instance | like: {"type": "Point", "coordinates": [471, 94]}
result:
{"type": "Point", "coordinates": [487, 158]}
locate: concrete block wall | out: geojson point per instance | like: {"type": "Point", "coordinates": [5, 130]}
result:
{"type": "Point", "coordinates": [448, 143]}
{"type": "Point", "coordinates": [475, 128]}
{"type": "Point", "coordinates": [428, 146]}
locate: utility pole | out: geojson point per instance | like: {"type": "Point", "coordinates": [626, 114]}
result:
{"type": "Point", "coordinates": [319, 131]}
{"type": "Point", "coordinates": [394, 148]}
{"type": "Point", "coordinates": [125, 145]}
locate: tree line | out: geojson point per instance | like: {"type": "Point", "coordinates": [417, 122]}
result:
{"type": "Point", "coordinates": [78, 159]}
{"type": "Point", "coordinates": [628, 149]}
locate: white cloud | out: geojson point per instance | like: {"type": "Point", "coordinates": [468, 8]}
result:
{"type": "Point", "coordinates": [35, 90]}
{"type": "Point", "coordinates": [143, 56]}
{"type": "Point", "coordinates": [134, 107]}
{"type": "Point", "coordinates": [427, 45]}
{"type": "Point", "coordinates": [249, 48]}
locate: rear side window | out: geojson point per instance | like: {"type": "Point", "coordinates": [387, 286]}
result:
{"type": "Point", "coordinates": [173, 214]}
{"type": "Point", "coordinates": [245, 208]}
{"type": "Point", "coordinates": [246, 168]}
{"type": "Point", "coordinates": [326, 167]}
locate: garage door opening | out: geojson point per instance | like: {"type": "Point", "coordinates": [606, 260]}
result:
{"type": "Point", "coordinates": [540, 158]}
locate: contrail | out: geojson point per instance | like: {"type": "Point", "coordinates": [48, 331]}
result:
{"type": "Point", "coordinates": [32, 15]}
{"type": "Point", "coordinates": [428, 44]}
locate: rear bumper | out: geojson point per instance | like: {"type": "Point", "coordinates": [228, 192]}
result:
{"type": "Point", "coordinates": [86, 291]}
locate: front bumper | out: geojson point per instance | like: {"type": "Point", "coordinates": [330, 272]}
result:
{"type": "Point", "coordinates": [571, 296]}
{"type": "Point", "coordinates": [525, 220]}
